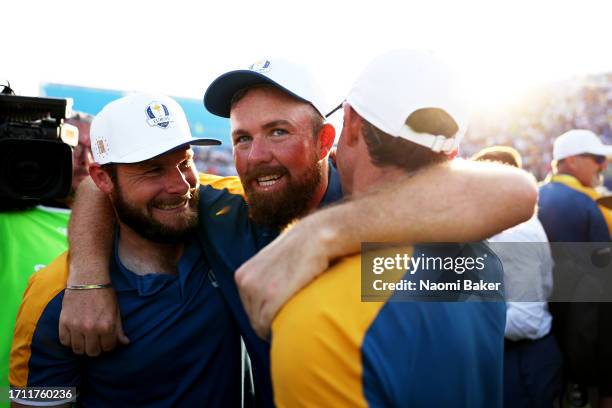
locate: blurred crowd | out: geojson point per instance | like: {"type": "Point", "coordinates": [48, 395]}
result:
{"type": "Point", "coordinates": [215, 160]}
{"type": "Point", "coordinates": [532, 122]}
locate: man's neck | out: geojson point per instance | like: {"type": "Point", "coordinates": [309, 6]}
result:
{"type": "Point", "coordinates": [143, 257]}
{"type": "Point", "coordinates": [370, 178]}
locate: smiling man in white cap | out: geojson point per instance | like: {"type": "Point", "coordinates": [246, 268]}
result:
{"type": "Point", "coordinates": [184, 349]}
{"type": "Point", "coordinates": [332, 348]}
{"type": "Point", "coordinates": [281, 141]}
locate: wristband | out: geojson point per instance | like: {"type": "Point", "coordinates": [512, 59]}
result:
{"type": "Point", "coordinates": [86, 287]}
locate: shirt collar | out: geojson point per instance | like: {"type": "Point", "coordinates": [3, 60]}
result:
{"type": "Point", "coordinates": [334, 188]}
{"type": "Point", "coordinates": [125, 280]}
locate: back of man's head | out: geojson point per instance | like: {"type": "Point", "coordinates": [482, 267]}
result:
{"type": "Point", "coordinates": [501, 154]}
{"type": "Point", "coordinates": [387, 150]}
{"type": "Point", "coordinates": [413, 109]}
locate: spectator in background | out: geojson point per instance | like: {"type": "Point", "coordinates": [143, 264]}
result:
{"type": "Point", "coordinates": [216, 160]}
{"type": "Point", "coordinates": [530, 123]}
{"type": "Point", "coordinates": [568, 209]}
{"type": "Point", "coordinates": [81, 154]}
{"type": "Point", "coordinates": [30, 238]}
{"type": "Point", "coordinates": [532, 359]}
{"type": "Point", "coordinates": [569, 213]}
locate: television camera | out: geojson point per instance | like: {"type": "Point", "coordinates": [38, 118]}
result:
{"type": "Point", "coordinates": [35, 147]}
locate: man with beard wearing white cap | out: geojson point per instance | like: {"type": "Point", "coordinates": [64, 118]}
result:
{"type": "Point", "coordinates": [184, 348]}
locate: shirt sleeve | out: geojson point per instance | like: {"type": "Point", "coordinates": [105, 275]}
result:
{"type": "Point", "coordinates": [598, 228]}
{"type": "Point", "coordinates": [38, 359]}
{"type": "Point", "coordinates": [527, 320]}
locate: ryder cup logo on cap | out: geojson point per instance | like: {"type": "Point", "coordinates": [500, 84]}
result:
{"type": "Point", "coordinates": [289, 77]}
{"type": "Point", "coordinates": [158, 115]}
{"type": "Point", "coordinates": [139, 127]}
{"type": "Point", "coordinates": [398, 83]}
{"type": "Point", "coordinates": [260, 66]}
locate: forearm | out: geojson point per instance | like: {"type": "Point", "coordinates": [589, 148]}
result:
{"type": "Point", "coordinates": [90, 235]}
{"type": "Point", "coordinates": [462, 202]}
{"type": "Point", "coordinates": [457, 202]}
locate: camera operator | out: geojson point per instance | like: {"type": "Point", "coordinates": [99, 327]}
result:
{"type": "Point", "coordinates": [32, 236]}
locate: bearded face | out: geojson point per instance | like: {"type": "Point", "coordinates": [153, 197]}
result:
{"type": "Point", "coordinates": [279, 207]}
{"type": "Point", "coordinates": [158, 198]}
{"type": "Point", "coordinates": [277, 154]}
{"type": "Point", "coordinates": [163, 230]}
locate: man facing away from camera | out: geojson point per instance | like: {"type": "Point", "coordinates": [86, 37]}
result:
{"type": "Point", "coordinates": [330, 348]}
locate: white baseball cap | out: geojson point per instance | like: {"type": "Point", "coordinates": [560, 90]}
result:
{"type": "Point", "coordinates": [398, 83]}
{"type": "Point", "coordinates": [290, 77]}
{"type": "Point", "coordinates": [579, 141]}
{"type": "Point", "coordinates": [138, 127]}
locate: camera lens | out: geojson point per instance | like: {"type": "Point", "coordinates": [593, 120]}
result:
{"type": "Point", "coordinates": [35, 168]}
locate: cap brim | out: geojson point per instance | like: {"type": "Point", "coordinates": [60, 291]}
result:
{"type": "Point", "coordinates": [603, 150]}
{"type": "Point", "coordinates": [336, 109]}
{"type": "Point", "coordinates": [153, 151]}
{"type": "Point", "coordinates": [201, 141]}
{"type": "Point", "coordinates": [218, 96]}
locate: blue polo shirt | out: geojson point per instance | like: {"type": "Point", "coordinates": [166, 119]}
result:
{"type": "Point", "coordinates": [184, 347]}
{"type": "Point", "coordinates": [229, 238]}
{"type": "Point", "coordinates": [570, 216]}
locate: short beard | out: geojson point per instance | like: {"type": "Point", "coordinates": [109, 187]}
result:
{"type": "Point", "coordinates": [147, 227]}
{"type": "Point", "coordinates": [278, 209]}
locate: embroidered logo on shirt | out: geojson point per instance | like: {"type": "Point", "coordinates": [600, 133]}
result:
{"type": "Point", "coordinates": [224, 210]}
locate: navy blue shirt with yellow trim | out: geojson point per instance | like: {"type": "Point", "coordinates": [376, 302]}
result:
{"type": "Point", "coordinates": [568, 215]}
{"type": "Point", "coordinates": [331, 349]}
{"type": "Point", "coordinates": [229, 238]}
{"type": "Point", "coordinates": [184, 346]}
